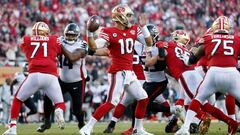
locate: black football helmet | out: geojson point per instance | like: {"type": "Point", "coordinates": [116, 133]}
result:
{"type": "Point", "coordinates": [154, 32]}
{"type": "Point", "coordinates": [71, 32]}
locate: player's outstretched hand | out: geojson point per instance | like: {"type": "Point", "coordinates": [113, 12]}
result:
{"type": "Point", "coordinates": [142, 20]}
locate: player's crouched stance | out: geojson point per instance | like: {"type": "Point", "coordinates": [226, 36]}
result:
{"type": "Point", "coordinates": [120, 40]}
{"type": "Point", "coordinates": [41, 51]}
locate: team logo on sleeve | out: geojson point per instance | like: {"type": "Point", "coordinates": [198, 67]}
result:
{"type": "Point", "coordinates": [132, 32]}
{"type": "Point", "coordinates": [114, 35]}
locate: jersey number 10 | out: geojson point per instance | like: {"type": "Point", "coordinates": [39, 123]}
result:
{"type": "Point", "coordinates": [126, 46]}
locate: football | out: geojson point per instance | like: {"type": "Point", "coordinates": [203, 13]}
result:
{"type": "Point", "coordinates": [93, 23]}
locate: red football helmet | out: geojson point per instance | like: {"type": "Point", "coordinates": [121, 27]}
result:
{"type": "Point", "coordinates": [40, 28]}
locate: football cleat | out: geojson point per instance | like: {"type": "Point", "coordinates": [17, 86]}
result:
{"type": "Point", "coordinates": [85, 131]}
{"type": "Point", "coordinates": [182, 131]}
{"type": "Point", "coordinates": [108, 130]}
{"type": "Point", "coordinates": [140, 132]}
{"type": "Point", "coordinates": [127, 132]}
{"type": "Point", "coordinates": [60, 118]}
{"type": "Point", "coordinates": [11, 131]}
{"type": "Point", "coordinates": [194, 128]}
{"type": "Point", "coordinates": [204, 125]}
{"type": "Point", "coordinates": [172, 126]}
{"type": "Point", "coordinates": [233, 128]}
{"type": "Point", "coordinates": [44, 127]}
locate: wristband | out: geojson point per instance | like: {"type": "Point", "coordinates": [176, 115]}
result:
{"type": "Point", "coordinates": [145, 31]}
{"type": "Point", "coordinates": [148, 49]}
{"type": "Point", "coordinates": [90, 34]}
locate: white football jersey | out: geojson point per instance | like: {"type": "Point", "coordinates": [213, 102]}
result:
{"type": "Point", "coordinates": [154, 73]}
{"type": "Point", "coordinates": [20, 77]}
{"type": "Point", "coordinates": [72, 72]}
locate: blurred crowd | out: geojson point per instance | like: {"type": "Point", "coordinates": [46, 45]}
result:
{"type": "Point", "coordinates": [18, 16]}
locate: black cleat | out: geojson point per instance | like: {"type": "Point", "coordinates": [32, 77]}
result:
{"type": "Point", "coordinates": [194, 128]}
{"type": "Point", "coordinates": [108, 130]}
{"type": "Point", "coordinates": [80, 125]}
{"type": "Point", "coordinates": [172, 126]}
{"type": "Point", "coordinates": [43, 127]}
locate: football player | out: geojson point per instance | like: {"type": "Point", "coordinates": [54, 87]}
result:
{"type": "Point", "coordinates": [72, 75]}
{"type": "Point", "coordinates": [120, 40]}
{"type": "Point", "coordinates": [222, 49]}
{"type": "Point", "coordinates": [154, 85]}
{"type": "Point", "coordinates": [41, 50]}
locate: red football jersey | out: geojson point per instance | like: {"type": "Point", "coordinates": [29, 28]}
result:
{"type": "Point", "coordinates": [174, 59]}
{"type": "Point", "coordinates": [41, 53]}
{"type": "Point", "coordinates": [203, 61]}
{"type": "Point", "coordinates": [120, 45]}
{"type": "Point", "coordinates": [222, 50]}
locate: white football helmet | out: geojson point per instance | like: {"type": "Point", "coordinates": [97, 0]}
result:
{"type": "Point", "coordinates": [221, 25]}
{"type": "Point", "coordinates": [181, 37]}
{"type": "Point", "coordinates": [40, 28]}
{"type": "Point", "coordinates": [122, 13]}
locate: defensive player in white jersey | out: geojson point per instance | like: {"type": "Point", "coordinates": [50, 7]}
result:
{"type": "Point", "coordinates": [19, 78]}
{"type": "Point", "coordinates": [73, 75]}
{"type": "Point", "coordinates": [120, 40]}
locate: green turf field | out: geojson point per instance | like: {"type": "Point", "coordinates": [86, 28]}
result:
{"type": "Point", "coordinates": [71, 129]}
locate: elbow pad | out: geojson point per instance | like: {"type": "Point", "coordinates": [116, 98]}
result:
{"type": "Point", "coordinates": [192, 59]}
{"type": "Point", "coordinates": [161, 52]}
{"type": "Point", "coordinates": [91, 52]}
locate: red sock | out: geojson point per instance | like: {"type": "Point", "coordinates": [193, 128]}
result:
{"type": "Point", "coordinates": [195, 106]}
{"type": "Point", "coordinates": [141, 108]}
{"type": "Point", "coordinates": [15, 109]}
{"type": "Point", "coordinates": [217, 113]}
{"type": "Point", "coordinates": [60, 105]}
{"type": "Point", "coordinates": [119, 111]}
{"type": "Point", "coordinates": [180, 102]}
{"type": "Point", "coordinates": [102, 110]}
{"type": "Point", "coordinates": [230, 104]}
{"type": "Point", "coordinates": [166, 104]}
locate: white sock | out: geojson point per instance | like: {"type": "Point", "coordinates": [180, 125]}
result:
{"type": "Point", "coordinates": [91, 123]}
{"type": "Point", "coordinates": [188, 119]}
{"type": "Point", "coordinates": [232, 116]}
{"type": "Point", "coordinates": [138, 124]}
{"type": "Point", "coordinates": [196, 120]}
{"type": "Point", "coordinates": [114, 119]}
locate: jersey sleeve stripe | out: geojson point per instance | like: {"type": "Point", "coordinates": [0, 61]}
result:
{"type": "Point", "coordinates": [104, 37]}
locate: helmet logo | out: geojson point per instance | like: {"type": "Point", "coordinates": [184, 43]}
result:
{"type": "Point", "coordinates": [120, 9]}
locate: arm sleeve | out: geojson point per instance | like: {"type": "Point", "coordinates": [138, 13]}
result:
{"type": "Point", "coordinates": [140, 37]}
{"type": "Point", "coordinates": [101, 43]}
